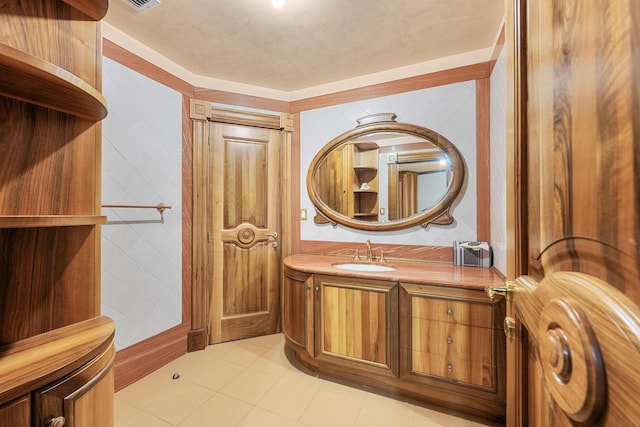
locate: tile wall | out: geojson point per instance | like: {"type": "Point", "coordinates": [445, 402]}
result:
{"type": "Point", "coordinates": [449, 110]}
{"type": "Point", "coordinates": [141, 162]}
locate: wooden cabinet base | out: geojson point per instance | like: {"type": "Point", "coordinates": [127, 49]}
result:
{"type": "Point", "coordinates": [447, 395]}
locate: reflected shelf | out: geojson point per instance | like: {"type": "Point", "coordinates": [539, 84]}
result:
{"type": "Point", "coordinates": [33, 221]}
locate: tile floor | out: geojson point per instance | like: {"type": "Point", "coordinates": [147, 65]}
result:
{"type": "Point", "coordinates": [253, 383]}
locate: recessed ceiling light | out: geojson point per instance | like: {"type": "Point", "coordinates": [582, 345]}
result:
{"type": "Point", "coordinates": [277, 3]}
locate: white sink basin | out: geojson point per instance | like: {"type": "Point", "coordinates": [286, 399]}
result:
{"type": "Point", "coordinates": [364, 267]}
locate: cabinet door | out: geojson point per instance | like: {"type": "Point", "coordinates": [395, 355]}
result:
{"type": "Point", "coordinates": [357, 320]}
{"type": "Point", "coordinates": [452, 335]}
{"type": "Point", "coordinates": [297, 311]}
{"type": "Point", "coordinates": [84, 398]}
{"type": "Point", "coordinates": [16, 414]}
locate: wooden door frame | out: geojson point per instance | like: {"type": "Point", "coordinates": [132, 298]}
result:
{"type": "Point", "coordinates": [517, 245]}
{"type": "Point", "coordinates": [201, 113]}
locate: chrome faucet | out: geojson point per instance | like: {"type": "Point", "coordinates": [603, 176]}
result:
{"type": "Point", "coordinates": [369, 251]}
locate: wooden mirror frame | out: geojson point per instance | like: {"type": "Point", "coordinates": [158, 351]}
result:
{"type": "Point", "coordinates": [436, 214]}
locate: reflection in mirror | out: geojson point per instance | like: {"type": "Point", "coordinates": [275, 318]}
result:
{"type": "Point", "coordinates": [386, 175]}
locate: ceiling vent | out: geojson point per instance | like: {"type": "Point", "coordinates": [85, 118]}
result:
{"type": "Point", "coordinates": [142, 5]}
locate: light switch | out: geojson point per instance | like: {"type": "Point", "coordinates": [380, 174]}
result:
{"type": "Point", "coordinates": [381, 211]}
{"type": "Point", "coordinates": [303, 214]}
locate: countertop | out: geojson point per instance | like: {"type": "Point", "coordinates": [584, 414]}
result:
{"type": "Point", "coordinates": [418, 272]}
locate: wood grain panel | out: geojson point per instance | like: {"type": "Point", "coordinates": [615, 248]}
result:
{"type": "Point", "coordinates": [355, 323]}
{"type": "Point", "coordinates": [448, 310]}
{"type": "Point", "coordinates": [187, 209]}
{"type": "Point", "coordinates": [17, 414]}
{"type": "Point", "coordinates": [47, 273]}
{"type": "Point", "coordinates": [332, 173]}
{"type": "Point", "coordinates": [406, 252]}
{"type": "Point", "coordinates": [585, 98]}
{"type": "Point", "coordinates": [483, 160]}
{"type": "Point", "coordinates": [453, 340]}
{"type": "Point", "coordinates": [245, 181]}
{"type": "Point", "coordinates": [54, 32]}
{"type": "Point", "coordinates": [44, 153]}
{"type": "Point", "coordinates": [294, 177]}
{"type": "Point", "coordinates": [458, 370]}
{"type": "Point", "coordinates": [244, 290]}
{"type": "Point", "coordinates": [95, 9]}
{"type": "Point", "coordinates": [295, 287]}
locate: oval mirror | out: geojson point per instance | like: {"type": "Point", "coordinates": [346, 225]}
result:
{"type": "Point", "coordinates": [385, 175]}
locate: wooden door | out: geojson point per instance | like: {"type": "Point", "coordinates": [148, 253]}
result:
{"type": "Point", "coordinates": [575, 354]}
{"type": "Point", "coordinates": [244, 203]}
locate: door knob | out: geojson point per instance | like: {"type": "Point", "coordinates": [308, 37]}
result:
{"type": "Point", "coordinates": [274, 236]}
{"type": "Point", "coordinates": [56, 422]}
{"type": "Point", "coordinates": [507, 291]}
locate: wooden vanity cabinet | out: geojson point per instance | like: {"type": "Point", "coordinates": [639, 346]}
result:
{"type": "Point", "coordinates": [356, 320]}
{"type": "Point", "coordinates": [439, 344]}
{"type": "Point", "coordinates": [297, 307]}
{"type": "Point", "coordinates": [454, 338]}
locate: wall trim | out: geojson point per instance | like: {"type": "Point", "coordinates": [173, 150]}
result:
{"type": "Point", "coordinates": [144, 67]}
{"type": "Point", "coordinates": [439, 78]}
{"type": "Point", "coordinates": [483, 159]}
{"type": "Point", "coordinates": [140, 359]}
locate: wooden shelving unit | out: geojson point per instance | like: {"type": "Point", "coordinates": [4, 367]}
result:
{"type": "Point", "coordinates": [364, 161]}
{"type": "Point", "coordinates": [55, 348]}
{"type": "Point", "coordinates": [33, 80]}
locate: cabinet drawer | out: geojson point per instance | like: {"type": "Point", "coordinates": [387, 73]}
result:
{"type": "Point", "coordinates": [459, 370]}
{"type": "Point", "coordinates": [453, 340]}
{"type": "Point", "coordinates": [451, 310]}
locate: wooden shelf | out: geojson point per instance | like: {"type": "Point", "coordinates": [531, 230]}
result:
{"type": "Point", "coordinates": [365, 145]}
{"type": "Point", "coordinates": [32, 221]}
{"type": "Point", "coordinates": [33, 80]}
{"type": "Point", "coordinates": [94, 9]}
{"type": "Point", "coordinates": [33, 361]}
{"type": "Point", "coordinates": [364, 215]}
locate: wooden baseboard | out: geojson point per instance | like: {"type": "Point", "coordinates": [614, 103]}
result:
{"type": "Point", "coordinates": [139, 360]}
{"type": "Point", "coordinates": [197, 340]}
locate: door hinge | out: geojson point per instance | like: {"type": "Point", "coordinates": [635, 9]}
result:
{"type": "Point", "coordinates": [208, 237]}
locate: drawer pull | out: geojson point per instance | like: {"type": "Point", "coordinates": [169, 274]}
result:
{"type": "Point", "coordinates": [450, 367]}
{"type": "Point", "coordinates": [56, 422]}
{"type": "Point", "coordinates": [449, 340]}
{"type": "Point", "coordinates": [449, 311]}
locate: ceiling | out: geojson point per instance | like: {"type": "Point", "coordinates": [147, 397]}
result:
{"type": "Point", "coordinates": [307, 43]}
